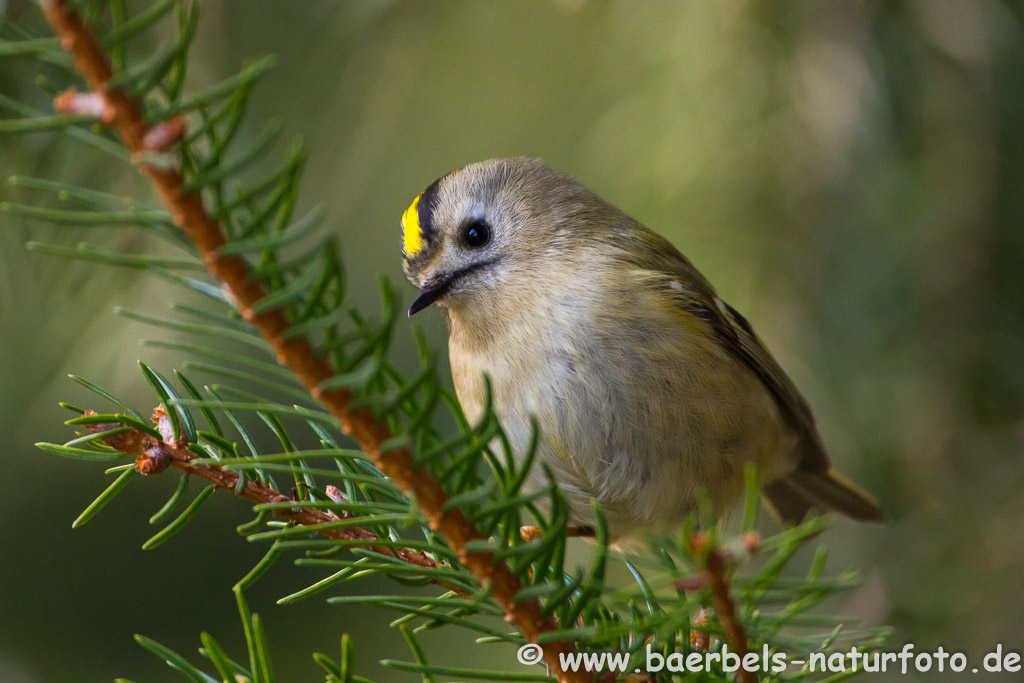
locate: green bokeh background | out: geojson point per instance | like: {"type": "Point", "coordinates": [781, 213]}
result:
{"type": "Point", "coordinates": [849, 174]}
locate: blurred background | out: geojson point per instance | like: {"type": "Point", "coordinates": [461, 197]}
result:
{"type": "Point", "coordinates": [850, 175]}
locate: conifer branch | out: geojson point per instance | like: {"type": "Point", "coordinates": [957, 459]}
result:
{"type": "Point", "coordinates": [153, 455]}
{"type": "Point", "coordinates": [296, 352]}
{"type": "Point", "coordinates": [714, 566]}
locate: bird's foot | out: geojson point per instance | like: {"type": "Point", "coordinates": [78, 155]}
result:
{"type": "Point", "coordinates": [531, 532]}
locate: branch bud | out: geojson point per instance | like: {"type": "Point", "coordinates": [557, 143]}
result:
{"type": "Point", "coordinates": [93, 103]}
{"type": "Point", "coordinates": [164, 136]}
{"type": "Point", "coordinates": [154, 461]}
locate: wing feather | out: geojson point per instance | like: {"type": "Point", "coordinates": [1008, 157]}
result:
{"type": "Point", "coordinates": [694, 294]}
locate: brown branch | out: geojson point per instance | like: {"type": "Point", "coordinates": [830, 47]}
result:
{"type": "Point", "coordinates": [296, 353]}
{"type": "Point", "coordinates": [153, 455]}
{"type": "Point", "coordinates": [714, 575]}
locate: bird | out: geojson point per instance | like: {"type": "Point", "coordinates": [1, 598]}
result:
{"type": "Point", "coordinates": [649, 391]}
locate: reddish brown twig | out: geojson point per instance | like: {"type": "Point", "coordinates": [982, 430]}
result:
{"type": "Point", "coordinates": [154, 456]}
{"type": "Point", "coordinates": [714, 560]}
{"type": "Point", "coordinates": [296, 353]}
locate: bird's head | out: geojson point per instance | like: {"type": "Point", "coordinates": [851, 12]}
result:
{"type": "Point", "coordinates": [493, 226]}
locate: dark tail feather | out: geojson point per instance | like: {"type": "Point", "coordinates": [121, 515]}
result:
{"type": "Point", "coordinates": [788, 503]}
{"type": "Point", "coordinates": [798, 493]}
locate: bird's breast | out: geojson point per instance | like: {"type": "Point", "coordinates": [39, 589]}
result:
{"type": "Point", "coordinates": [638, 405]}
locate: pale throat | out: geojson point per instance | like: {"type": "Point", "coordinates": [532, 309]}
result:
{"type": "Point", "coordinates": [508, 314]}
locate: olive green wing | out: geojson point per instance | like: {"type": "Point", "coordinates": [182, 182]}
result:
{"type": "Point", "coordinates": [737, 336]}
{"type": "Point", "coordinates": [690, 291]}
{"type": "Point", "coordinates": [812, 484]}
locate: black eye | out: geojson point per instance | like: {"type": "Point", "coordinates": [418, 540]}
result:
{"type": "Point", "coordinates": [476, 234]}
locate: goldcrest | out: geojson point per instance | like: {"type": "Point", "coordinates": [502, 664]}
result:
{"type": "Point", "coordinates": [646, 386]}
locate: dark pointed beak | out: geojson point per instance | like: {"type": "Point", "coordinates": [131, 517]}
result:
{"type": "Point", "coordinates": [429, 295]}
{"type": "Point", "coordinates": [439, 286]}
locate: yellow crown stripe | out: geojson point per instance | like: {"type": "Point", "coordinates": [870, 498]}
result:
{"type": "Point", "coordinates": [412, 240]}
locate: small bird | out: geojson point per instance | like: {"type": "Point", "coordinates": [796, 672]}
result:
{"type": "Point", "coordinates": [647, 387]}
